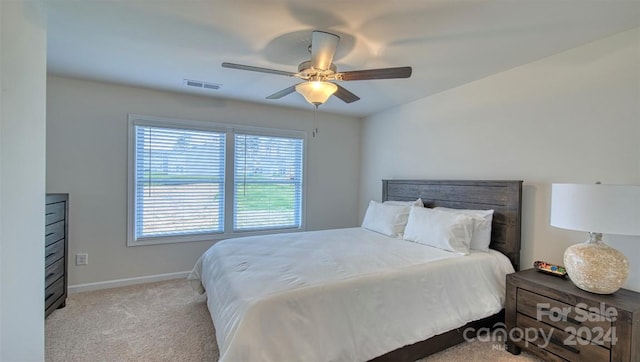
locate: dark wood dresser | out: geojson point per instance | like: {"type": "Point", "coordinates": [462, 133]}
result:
{"type": "Point", "coordinates": [552, 318]}
{"type": "Point", "coordinates": [55, 252]}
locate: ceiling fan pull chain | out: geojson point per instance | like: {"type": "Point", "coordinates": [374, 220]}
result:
{"type": "Point", "coordinates": [315, 116]}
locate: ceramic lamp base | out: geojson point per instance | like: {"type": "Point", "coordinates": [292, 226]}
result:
{"type": "Point", "coordinates": [596, 267]}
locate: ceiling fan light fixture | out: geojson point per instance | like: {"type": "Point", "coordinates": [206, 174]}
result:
{"type": "Point", "coordinates": [316, 92]}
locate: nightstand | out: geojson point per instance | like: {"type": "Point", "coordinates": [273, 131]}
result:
{"type": "Point", "coordinates": [552, 318]}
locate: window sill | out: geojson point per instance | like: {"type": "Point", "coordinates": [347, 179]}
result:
{"type": "Point", "coordinates": [207, 237]}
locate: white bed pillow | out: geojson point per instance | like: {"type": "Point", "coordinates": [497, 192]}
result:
{"type": "Point", "coordinates": [440, 229]}
{"type": "Point", "coordinates": [386, 219]}
{"type": "Point", "coordinates": [417, 202]}
{"type": "Point", "coordinates": [481, 236]}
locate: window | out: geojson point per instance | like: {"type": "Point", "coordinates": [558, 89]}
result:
{"type": "Point", "coordinates": [268, 182]}
{"type": "Point", "coordinates": [202, 181]}
{"type": "Point", "coordinates": [179, 181]}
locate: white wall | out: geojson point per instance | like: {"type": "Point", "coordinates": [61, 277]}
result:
{"type": "Point", "coordinates": [87, 157]}
{"type": "Point", "coordinates": [572, 117]}
{"type": "Point", "coordinates": [22, 179]}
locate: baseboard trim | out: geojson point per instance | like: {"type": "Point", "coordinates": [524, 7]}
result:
{"type": "Point", "coordinates": [124, 282]}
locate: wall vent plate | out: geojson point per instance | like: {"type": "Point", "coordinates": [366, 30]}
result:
{"type": "Point", "coordinates": [201, 84]}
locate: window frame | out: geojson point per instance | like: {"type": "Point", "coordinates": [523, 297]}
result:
{"type": "Point", "coordinates": [230, 131]}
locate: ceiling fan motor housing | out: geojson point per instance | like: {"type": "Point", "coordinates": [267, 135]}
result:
{"type": "Point", "coordinates": [308, 72]}
{"type": "Point", "coordinates": [306, 65]}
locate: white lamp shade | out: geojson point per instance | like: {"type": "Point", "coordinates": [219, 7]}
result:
{"type": "Point", "coordinates": [316, 92]}
{"type": "Point", "coordinates": [606, 209]}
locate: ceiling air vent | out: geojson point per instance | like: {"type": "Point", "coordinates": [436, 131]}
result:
{"type": "Point", "coordinates": [201, 84]}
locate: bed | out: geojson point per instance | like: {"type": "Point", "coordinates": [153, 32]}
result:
{"type": "Point", "coordinates": [353, 294]}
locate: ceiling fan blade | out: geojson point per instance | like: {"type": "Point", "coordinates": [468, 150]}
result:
{"type": "Point", "coordinates": [382, 73]}
{"type": "Point", "coordinates": [345, 95]}
{"type": "Point", "coordinates": [257, 69]}
{"type": "Point", "coordinates": [282, 93]}
{"type": "Point", "coordinates": [323, 48]}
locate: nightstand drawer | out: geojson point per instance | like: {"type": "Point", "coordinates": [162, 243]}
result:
{"type": "Point", "coordinates": [558, 342]}
{"type": "Point", "coordinates": [573, 319]}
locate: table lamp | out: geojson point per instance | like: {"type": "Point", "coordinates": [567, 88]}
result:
{"type": "Point", "coordinates": [597, 209]}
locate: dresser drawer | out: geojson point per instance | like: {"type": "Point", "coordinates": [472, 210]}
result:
{"type": "Point", "coordinates": [53, 272]}
{"type": "Point", "coordinates": [53, 252]}
{"type": "Point", "coordinates": [565, 317]}
{"type": "Point", "coordinates": [53, 233]}
{"type": "Point", "coordinates": [53, 292]}
{"type": "Point", "coordinates": [559, 342]}
{"type": "Point", "coordinates": [54, 212]}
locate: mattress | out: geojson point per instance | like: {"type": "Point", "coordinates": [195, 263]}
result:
{"type": "Point", "coordinates": [340, 295]}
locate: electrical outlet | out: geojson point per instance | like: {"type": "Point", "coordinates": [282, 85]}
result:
{"type": "Point", "coordinates": [82, 259]}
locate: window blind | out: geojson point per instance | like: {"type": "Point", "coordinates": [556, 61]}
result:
{"type": "Point", "coordinates": [267, 182]}
{"type": "Point", "coordinates": [179, 181]}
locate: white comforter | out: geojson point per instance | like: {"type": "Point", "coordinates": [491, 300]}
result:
{"type": "Point", "coordinates": [340, 295]}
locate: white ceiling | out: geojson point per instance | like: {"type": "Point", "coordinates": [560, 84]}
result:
{"type": "Point", "coordinates": [157, 44]}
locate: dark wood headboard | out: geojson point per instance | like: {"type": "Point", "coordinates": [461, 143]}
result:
{"type": "Point", "coordinates": [504, 197]}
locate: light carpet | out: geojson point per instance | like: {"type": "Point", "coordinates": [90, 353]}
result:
{"type": "Point", "coordinates": [168, 321]}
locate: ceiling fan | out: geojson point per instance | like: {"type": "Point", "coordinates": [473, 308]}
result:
{"type": "Point", "coordinates": [319, 73]}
